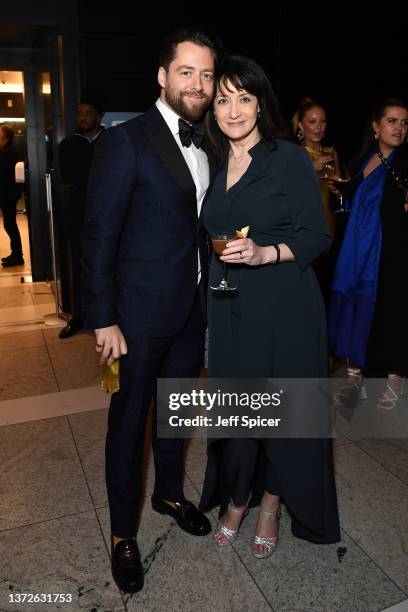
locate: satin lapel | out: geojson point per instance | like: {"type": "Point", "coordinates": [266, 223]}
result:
{"type": "Point", "coordinates": [162, 139]}
{"type": "Point", "coordinates": [212, 169]}
{"type": "Point", "coordinates": [211, 160]}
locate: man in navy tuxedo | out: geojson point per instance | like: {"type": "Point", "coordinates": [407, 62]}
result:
{"type": "Point", "coordinates": [144, 266]}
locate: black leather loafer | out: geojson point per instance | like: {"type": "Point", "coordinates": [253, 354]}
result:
{"type": "Point", "coordinates": [12, 260]}
{"type": "Point", "coordinates": [127, 569]}
{"type": "Point", "coordinates": [186, 515]}
{"type": "Point", "coordinates": [73, 326]}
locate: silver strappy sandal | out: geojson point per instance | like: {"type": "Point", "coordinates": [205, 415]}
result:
{"type": "Point", "coordinates": [350, 393]}
{"type": "Point", "coordinates": [269, 543]}
{"type": "Point", "coordinates": [391, 397]}
{"type": "Point", "coordinates": [230, 535]}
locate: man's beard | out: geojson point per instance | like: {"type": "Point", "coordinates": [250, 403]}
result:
{"type": "Point", "coordinates": [86, 130]}
{"type": "Point", "coordinates": [176, 101]}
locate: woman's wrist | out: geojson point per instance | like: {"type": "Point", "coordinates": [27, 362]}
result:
{"type": "Point", "coordinates": [269, 255]}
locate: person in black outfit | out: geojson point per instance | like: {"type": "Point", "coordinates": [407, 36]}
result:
{"type": "Point", "coordinates": [144, 264]}
{"type": "Point", "coordinates": [75, 157]}
{"type": "Point", "coordinates": [9, 195]}
{"type": "Point", "coordinates": [274, 325]}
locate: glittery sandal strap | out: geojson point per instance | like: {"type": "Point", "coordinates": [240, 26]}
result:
{"type": "Point", "coordinates": [230, 535]}
{"type": "Point", "coordinates": [265, 540]}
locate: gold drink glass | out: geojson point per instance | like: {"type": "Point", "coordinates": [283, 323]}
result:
{"type": "Point", "coordinates": [110, 377]}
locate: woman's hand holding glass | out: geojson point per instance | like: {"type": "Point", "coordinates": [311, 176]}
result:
{"type": "Point", "coordinates": [337, 187]}
{"type": "Point", "coordinates": [324, 164]}
{"type": "Point", "coordinates": [245, 251]}
{"type": "Point", "coordinates": [321, 162]}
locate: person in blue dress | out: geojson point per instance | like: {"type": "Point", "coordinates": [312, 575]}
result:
{"type": "Point", "coordinates": [274, 325]}
{"type": "Point", "coordinates": [368, 305]}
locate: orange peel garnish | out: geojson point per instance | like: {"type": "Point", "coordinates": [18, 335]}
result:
{"type": "Point", "coordinates": [242, 233]}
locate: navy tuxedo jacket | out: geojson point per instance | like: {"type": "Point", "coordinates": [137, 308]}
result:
{"type": "Point", "coordinates": [141, 232]}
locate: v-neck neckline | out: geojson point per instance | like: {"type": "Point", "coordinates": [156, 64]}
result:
{"type": "Point", "coordinates": [227, 191]}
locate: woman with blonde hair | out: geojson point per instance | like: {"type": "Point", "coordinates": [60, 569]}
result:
{"type": "Point", "coordinates": [310, 123]}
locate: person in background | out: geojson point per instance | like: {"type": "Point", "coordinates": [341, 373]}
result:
{"type": "Point", "coordinates": [310, 123]}
{"type": "Point", "coordinates": [75, 155]}
{"type": "Point", "coordinates": [9, 196]}
{"type": "Point", "coordinates": [369, 302]}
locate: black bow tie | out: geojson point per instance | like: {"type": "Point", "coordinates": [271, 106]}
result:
{"type": "Point", "coordinates": [191, 133]}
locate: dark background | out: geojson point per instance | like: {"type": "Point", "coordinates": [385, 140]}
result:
{"type": "Point", "coordinates": [347, 60]}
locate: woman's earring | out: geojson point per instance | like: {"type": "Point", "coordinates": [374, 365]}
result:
{"type": "Point", "coordinates": [376, 135]}
{"type": "Point", "coordinates": [300, 135]}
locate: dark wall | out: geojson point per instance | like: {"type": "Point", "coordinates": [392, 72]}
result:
{"type": "Point", "coordinates": [345, 60]}
{"type": "Point", "coordinates": [329, 52]}
{"type": "Point", "coordinates": [119, 55]}
{"type": "Point", "coordinates": [11, 104]}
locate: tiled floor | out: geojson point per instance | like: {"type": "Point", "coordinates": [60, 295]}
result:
{"type": "Point", "coordinates": [54, 518]}
{"type": "Point", "coordinates": [37, 362]}
{"type": "Point", "coordinates": [54, 533]}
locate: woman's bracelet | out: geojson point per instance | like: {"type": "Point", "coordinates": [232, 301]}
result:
{"type": "Point", "coordinates": [278, 254]}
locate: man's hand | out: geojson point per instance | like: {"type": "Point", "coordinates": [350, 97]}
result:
{"type": "Point", "coordinates": [111, 343]}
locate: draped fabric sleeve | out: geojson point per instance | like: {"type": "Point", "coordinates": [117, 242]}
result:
{"type": "Point", "coordinates": [310, 237]}
{"type": "Point", "coordinates": [110, 190]}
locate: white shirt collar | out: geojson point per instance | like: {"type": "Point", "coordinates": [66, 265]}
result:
{"type": "Point", "coordinates": [87, 137]}
{"type": "Point", "coordinates": [169, 115]}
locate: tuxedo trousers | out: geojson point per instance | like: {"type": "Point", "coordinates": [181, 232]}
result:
{"type": "Point", "coordinates": [179, 356]}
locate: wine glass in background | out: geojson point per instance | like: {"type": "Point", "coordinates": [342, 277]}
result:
{"type": "Point", "coordinates": [329, 166]}
{"type": "Point", "coordinates": [340, 184]}
{"type": "Point", "coordinates": [328, 169]}
{"type": "Point", "coordinates": [219, 242]}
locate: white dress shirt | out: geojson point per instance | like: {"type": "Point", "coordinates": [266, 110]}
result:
{"type": "Point", "coordinates": [196, 160]}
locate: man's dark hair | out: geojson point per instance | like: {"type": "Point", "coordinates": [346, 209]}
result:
{"type": "Point", "coordinates": [8, 131]}
{"type": "Point", "coordinates": [196, 35]}
{"type": "Point", "coordinates": [90, 100]}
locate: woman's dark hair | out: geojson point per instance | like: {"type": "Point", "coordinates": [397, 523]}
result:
{"type": "Point", "coordinates": [195, 35]}
{"type": "Point", "coordinates": [7, 131]}
{"type": "Point", "coordinates": [369, 142]}
{"type": "Point", "coordinates": [245, 74]}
